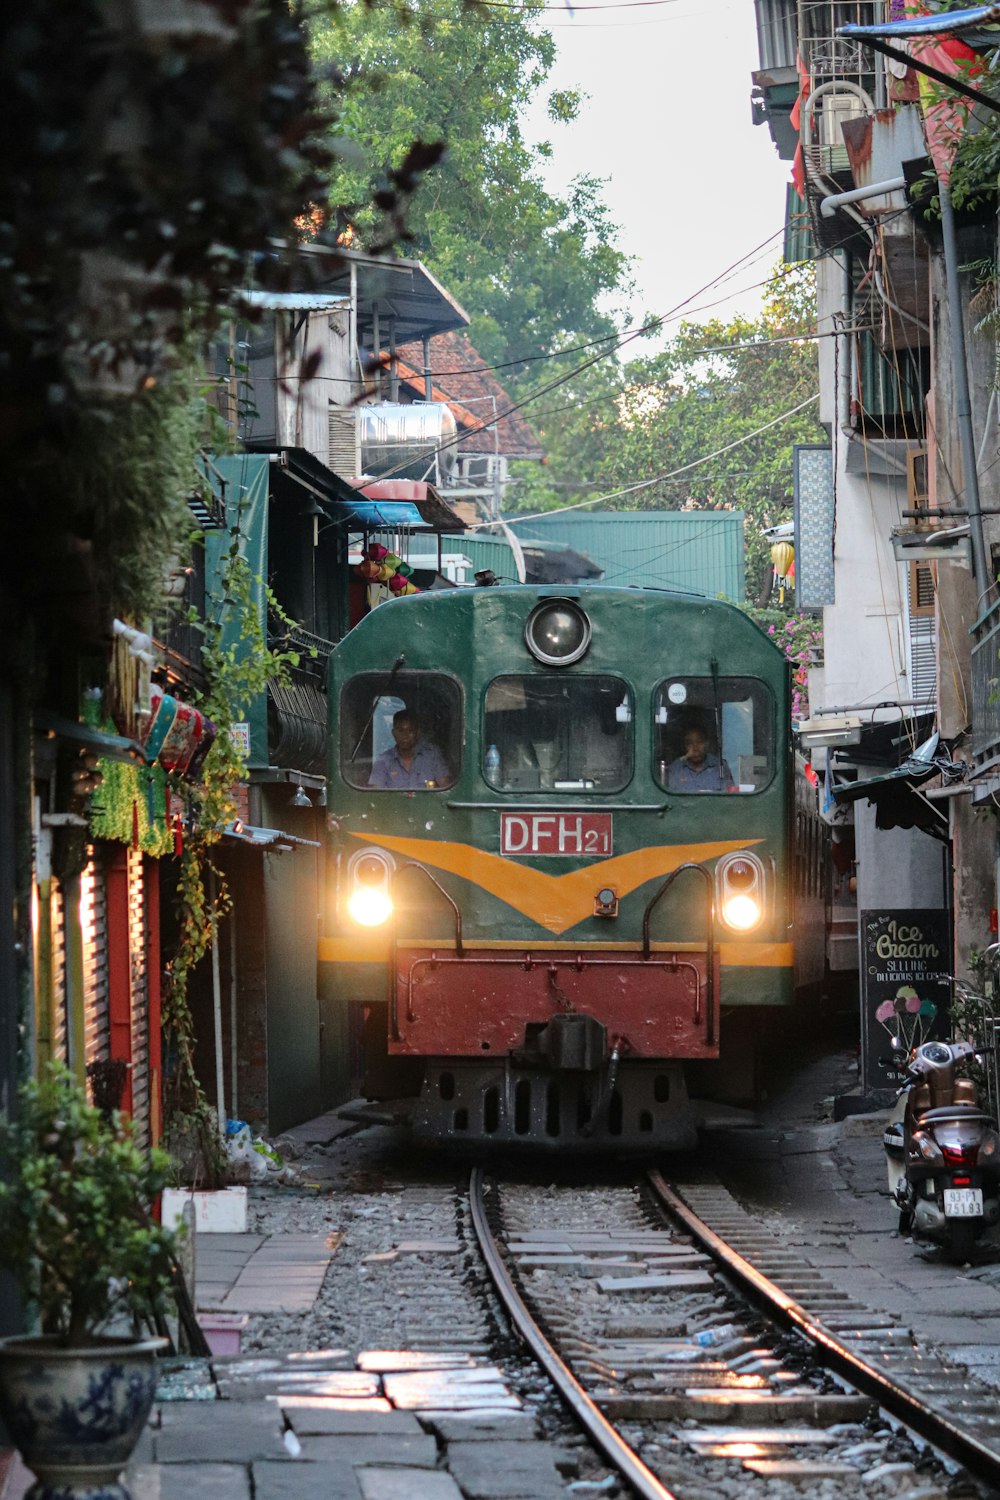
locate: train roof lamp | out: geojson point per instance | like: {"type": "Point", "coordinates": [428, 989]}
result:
{"type": "Point", "coordinates": [557, 632]}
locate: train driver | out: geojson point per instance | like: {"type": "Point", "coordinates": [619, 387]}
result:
{"type": "Point", "coordinates": [697, 770]}
{"type": "Point", "coordinates": [411, 764]}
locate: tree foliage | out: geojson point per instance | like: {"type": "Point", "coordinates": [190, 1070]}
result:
{"type": "Point", "coordinates": [710, 387]}
{"type": "Point", "coordinates": [530, 267]}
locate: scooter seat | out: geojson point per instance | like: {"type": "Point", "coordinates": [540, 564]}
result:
{"type": "Point", "coordinates": [955, 1114]}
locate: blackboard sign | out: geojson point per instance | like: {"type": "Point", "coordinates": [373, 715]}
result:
{"type": "Point", "coordinates": [905, 963]}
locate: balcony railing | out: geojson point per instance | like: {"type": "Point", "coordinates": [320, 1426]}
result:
{"type": "Point", "coordinates": [986, 689]}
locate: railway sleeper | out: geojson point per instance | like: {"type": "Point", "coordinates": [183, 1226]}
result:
{"type": "Point", "coordinates": [563, 1111]}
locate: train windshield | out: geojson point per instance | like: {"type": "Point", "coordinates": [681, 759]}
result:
{"type": "Point", "coordinates": [713, 734]}
{"type": "Point", "coordinates": [401, 731]}
{"type": "Point", "coordinates": [560, 734]}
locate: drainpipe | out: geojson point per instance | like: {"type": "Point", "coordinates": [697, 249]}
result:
{"type": "Point", "coordinates": [428, 385]}
{"type": "Point", "coordinates": [963, 404]}
{"type": "Point", "coordinates": [829, 205]}
{"type": "Point", "coordinates": [844, 385]}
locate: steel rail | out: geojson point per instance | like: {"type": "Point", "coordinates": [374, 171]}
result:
{"type": "Point", "coordinates": [925, 1420]}
{"type": "Point", "coordinates": [600, 1431]}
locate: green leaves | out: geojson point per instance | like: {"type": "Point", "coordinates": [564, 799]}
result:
{"type": "Point", "coordinates": [75, 1199]}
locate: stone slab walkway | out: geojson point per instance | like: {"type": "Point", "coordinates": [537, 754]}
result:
{"type": "Point", "coordinates": [392, 1425]}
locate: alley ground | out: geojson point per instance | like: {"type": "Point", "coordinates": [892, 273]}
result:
{"type": "Point", "coordinates": [365, 1369]}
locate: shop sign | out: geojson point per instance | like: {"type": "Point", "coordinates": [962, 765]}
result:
{"type": "Point", "coordinates": [905, 963]}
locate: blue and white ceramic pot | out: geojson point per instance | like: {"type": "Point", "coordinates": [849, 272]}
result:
{"type": "Point", "coordinates": [75, 1415]}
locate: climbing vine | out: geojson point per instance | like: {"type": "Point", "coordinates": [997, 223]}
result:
{"type": "Point", "coordinates": [238, 662]}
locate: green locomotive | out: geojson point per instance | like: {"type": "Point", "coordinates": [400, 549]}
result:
{"type": "Point", "coordinates": [560, 824]}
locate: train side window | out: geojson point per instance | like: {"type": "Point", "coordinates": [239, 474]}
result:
{"type": "Point", "coordinates": [401, 731]}
{"type": "Point", "coordinates": [557, 733]}
{"type": "Point", "coordinates": [713, 734]}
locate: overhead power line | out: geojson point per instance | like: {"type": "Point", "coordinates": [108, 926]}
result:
{"type": "Point", "coordinates": [645, 484]}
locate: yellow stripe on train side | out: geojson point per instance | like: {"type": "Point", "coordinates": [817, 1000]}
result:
{"type": "Point", "coordinates": [557, 902]}
{"type": "Point", "coordinates": [367, 948]}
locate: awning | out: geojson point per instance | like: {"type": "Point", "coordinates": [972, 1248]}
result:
{"type": "Point", "coordinates": [895, 794]}
{"type": "Point", "coordinates": [951, 23]}
{"type": "Point", "coordinates": [264, 838]}
{"type": "Point", "coordinates": [402, 503]}
{"type": "Point", "coordinates": [938, 24]}
{"type": "Point", "coordinates": [86, 737]}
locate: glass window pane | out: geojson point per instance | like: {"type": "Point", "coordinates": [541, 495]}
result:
{"type": "Point", "coordinates": [565, 734]}
{"type": "Point", "coordinates": [713, 734]}
{"type": "Point", "coordinates": [401, 731]}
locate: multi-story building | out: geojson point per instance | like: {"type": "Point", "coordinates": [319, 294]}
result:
{"type": "Point", "coordinates": [882, 522]}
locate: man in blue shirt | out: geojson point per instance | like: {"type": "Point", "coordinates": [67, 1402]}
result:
{"type": "Point", "coordinates": [696, 770]}
{"type": "Point", "coordinates": [411, 765]}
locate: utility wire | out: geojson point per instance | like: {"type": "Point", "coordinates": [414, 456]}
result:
{"type": "Point", "coordinates": [645, 484]}
{"type": "Point", "coordinates": [587, 363]}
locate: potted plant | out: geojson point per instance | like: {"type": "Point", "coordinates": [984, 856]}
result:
{"type": "Point", "coordinates": [77, 1235]}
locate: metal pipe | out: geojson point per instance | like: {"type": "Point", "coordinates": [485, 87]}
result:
{"type": "Point", "coordinates": [829, 205]}
{"type": "Point", "coordinates": [220, 1089]}
{"type": "Point", "coordinates": [960, 376]}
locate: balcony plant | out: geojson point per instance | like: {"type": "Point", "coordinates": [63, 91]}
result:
{"type": "Point", "coordinates": [77, 1235]}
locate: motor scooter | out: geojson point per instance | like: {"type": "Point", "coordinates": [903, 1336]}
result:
{"type": "Point", "coordinates": [943, 1152]}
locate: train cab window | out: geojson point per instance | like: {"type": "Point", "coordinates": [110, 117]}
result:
{"type": "Point", "coordinates": [401, 731]}
{"type": "Point", "coordinates": [713, 734]}
{"type": "Point", "coordinates": [565, 734]}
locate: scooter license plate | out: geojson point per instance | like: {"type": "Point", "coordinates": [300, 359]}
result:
{"type": "Point", "coordinates": [963, 1203]}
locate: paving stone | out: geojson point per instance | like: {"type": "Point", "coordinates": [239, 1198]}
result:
{"type": "Point", "coordinates": [219, 1433]}
{"type": "Point", "coordinates": [298, 1480]}
{"type": "Point", "coordinates": [373, 1405]}
{"type": "Point", "coordinates": [394, 1450]}
{"type": "Point", "coordinates": [312, 1419]}
{"type": "Point", "coordinates": [207, 1481]}
{"type": "Point", "coordinates": [507, 1470]}
{"type": "Point", "coordinates": [333, 1359]}
{"type": "Point", "coordinates": [481, 1427]}
{"type": "Point", "coordinates": [384, 1360]}
{"type": "Point", "coordinates": [407, 1484]}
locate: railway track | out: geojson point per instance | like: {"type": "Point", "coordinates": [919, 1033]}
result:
{"type": "Point", "coordinates": [692, 1347]}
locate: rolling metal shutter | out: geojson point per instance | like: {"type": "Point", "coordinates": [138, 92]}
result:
{"type": "Point", "coordinates": [58, 1000]}
{"type": "Point", "coordinates": [96, 999]}
{"type": "Point", "coordinates": [139, 996]}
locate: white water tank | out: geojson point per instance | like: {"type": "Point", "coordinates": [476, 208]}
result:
{"type": "Point", "coordinates": [416, 441]}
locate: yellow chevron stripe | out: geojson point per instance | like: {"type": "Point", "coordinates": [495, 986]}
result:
{"type": "Point", "coordinates": [557, 902]}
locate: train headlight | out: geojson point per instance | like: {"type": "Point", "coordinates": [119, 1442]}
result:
{"type": "Point", "coordinates": [740, 885]}
{"type": "Point", "coordinates": [369, 901]}
{"type": "Point", "coordinates": [557, 632]}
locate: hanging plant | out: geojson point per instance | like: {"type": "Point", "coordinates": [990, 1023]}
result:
{"type": "Point", "coordinates": [235, 671]}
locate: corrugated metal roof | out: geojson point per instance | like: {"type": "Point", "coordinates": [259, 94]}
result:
{"type": "Point", "coordinates": [293, 301]}
{"type": "Point", "coordinates": [698, 551]}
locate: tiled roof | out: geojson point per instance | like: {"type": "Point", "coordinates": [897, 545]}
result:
{"type": "Point", "coordinates": [461, 377]}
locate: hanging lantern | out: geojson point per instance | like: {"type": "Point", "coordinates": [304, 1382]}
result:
{"type": "Point", "coordinates": [386, 571]}
{"type": "Point", "coordinates": [375, 552]}
{"type": "Point", "coordinates": [783, 558]}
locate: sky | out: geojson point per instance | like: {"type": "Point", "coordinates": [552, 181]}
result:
{"type": "Point", "coordinates": [691, 182]}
